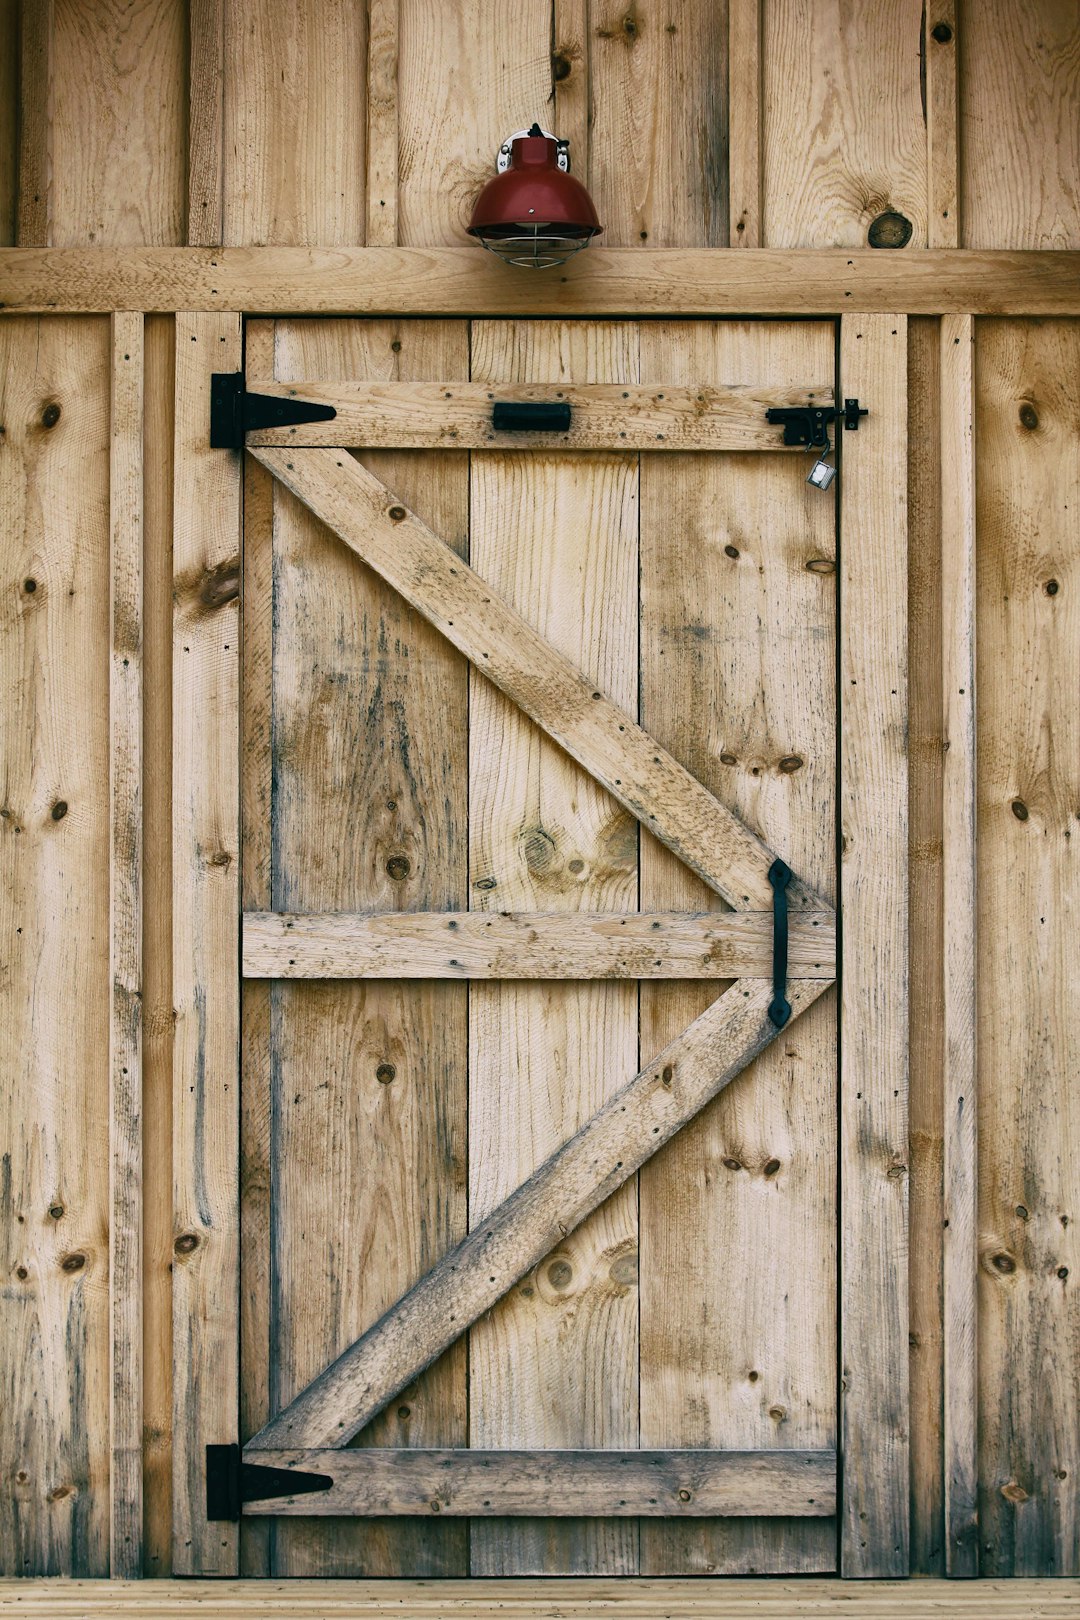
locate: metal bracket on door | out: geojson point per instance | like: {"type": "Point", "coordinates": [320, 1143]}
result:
{"type": "Point", "coordinates": [230, 1482]}
{"type": "Point", "coordinates": [808, 425]}
{"type": "Point", "coordinates": [234, 411]}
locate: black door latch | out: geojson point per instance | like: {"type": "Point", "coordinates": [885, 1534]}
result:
{"type": "Point", "coordinates": [530, 416]}
{"type": "Point", "coordinates": [234, 411]}
{"type": "Point", "coordinates": [808, 425]}
{"type": "Point", "coordinates": [230, 1482]}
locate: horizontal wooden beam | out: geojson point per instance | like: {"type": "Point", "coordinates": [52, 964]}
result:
{"type": "Point", "coordinates": [603, 739]}
{"type": "Point", "coordinates": [373, 1482]}
{"type": "Point", "coordinates": [604, 416]}
{"type": "Point", "coordinates": [631, 282]}
{"type": "Point", "coordinates": [531, 945]}
{"type": "Point", "coordinates": [537, 1216]}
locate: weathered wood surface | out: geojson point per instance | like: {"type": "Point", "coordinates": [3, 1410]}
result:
{"type": "Point", "coordinates": [625, 1599]}
{"type": "Point", "coordinates": [54, 924]}
{"type": "Point", "coordinates": [533, 674]}
{"type": "Point", "coordinates": [368, 810]}
{"type": "Point", "coordinates": [874, 1145]}
{"type": "Point", "coordinates": [206, 918]}
{"type": "Point", "coordinates": [530, 945]}
{"type": "Point", "coordinates": [942, 124]}
{"type": "Point", "coordinates": [383, 45]}
{"type": "Point", "coordinates": [1028, 436]}
{"type": "Point", "coordinates": [629, 1128]}
{"type": "Point", "coordinates": [739, 601]}
{"type": "Point", "coordinates": [604, 416]}
{"type": "Point", "coordinates": [125, 944]}
{"type": "Point", "coordinates": [556, 538]}
{"type": "Point", "coordinates": [744, 123]}
{"type": "Point", "coordinates": [604, 281]}
{"type": "Point", "coordinates": [959, 877]}
{"type": "Point", "coordinates": [206, 121]}
{"type": "Point", "coordinates": [594, 1484]}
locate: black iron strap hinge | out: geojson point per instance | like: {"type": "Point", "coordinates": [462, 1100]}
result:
{"type": "Point", "coordinates": [230, 1482]}
{"type": "Point", "coordinates": [234, 411]}
{"type": "Point", "coordinates": [809, 424]}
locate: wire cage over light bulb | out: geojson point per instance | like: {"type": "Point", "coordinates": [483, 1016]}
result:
{"type": "Point", "coordinates": [533, 212]}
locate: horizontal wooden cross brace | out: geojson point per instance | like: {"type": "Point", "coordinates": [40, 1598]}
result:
{"type": "Point", "coordinates": [604, 416]}
{"type": "Point", "coordinates": [537, 1216]}
{"type": "Point", "coordinates": [593, 730]}
{"type": "Point", "coordinates": [531, 945]}
{"type": "Point", "coordinates": [374, 1482]}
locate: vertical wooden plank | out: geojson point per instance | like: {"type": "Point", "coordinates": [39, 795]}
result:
{"type": "Point", "coordinates": [256, 764]}
{"type": "Point", "coordinates": [570, 79]}
{"type": "Point", "coordinates": [1028, 489]}
{"type": "Point", "coordinates": [744, 122]}
{"type": "Point", "coordinates": [10, 50]}
{"type": "Point", "coordinates": [875, 1423]}
{"type": "Point", "coordinates": [959, 890]}
{"type": "Point", "coordinates": [942, 118]}
{"type": "Point", "coordinates": [159, 344]}
{"type": "Point", "coordinates": [54, 924]}
{"type": "Point", "coordinates": [469, 74]}
{"type": "Point", "coordinates": [125, 945]}
{"type": "Point", "coordinates": [844, 138]}
{"type": "Point", "coordinates": [35, 124]}
{"type": "Point", "coordinates": [119, 123]}
{"type": "Point", "coordinates": [555, 1364]}
{"type": "Point", "coordinates": [368, 1079]}
{"type": "Point", "coordinates": [382, 123]}
{"type": "Point", "coordinates": [294, 122]}
{"type": "Point", "coordinates": [1020, 169]}
{"type": "Point", "coordinates": [206, 120]}
{"type": "Point", "coordinates": [738, 1214]}
{"type": "Point", "coordinates": [927, 937]}
{"type": "Point", "coordinates": [206, 905]}
{"type": "Point", "coordinates": [658, 150]}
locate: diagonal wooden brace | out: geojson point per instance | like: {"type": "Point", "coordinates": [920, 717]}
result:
{"type": "Point", "coordinates": [600, 736]}
{"type": "Point", "coordinates": [536, 1217]}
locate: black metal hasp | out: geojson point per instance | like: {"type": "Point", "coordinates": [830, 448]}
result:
{"type": "Point", "coordinates": [230, 1482]}
{"type": "Point", "coordinates": [530, 416]}
{"type": "Point", "coordinates": [234, 411]}
{"type": "Point", "coordinates": [808, 425]}
{"type": "Point", "coordinates": [780, 875]}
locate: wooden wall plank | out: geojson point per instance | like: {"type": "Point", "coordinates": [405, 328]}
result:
{"type": "Point", "coordinates": [10, 51]}
{"type": "Point", "coordinates": [745, 111]}
{"type": "Point", "coordinates": [256, 766]}
{"type": "Point", "coordinates": [927, 938]}
{"type": "Point", "coordinates": [382, 122]}
{"type": "Point", "coordinates": [1028, 490]}
{"type": "Point", "coordinates": [1020, 168]}
{"type": "Point", "coordinates": [36, 109]}
{"type": "Point", "coordinates": [556, 537]}
{"type": "Point", "coordinates": [125, 945]}
{"type": "Point", "coordinates": [368, 1080]}
{"type": "Point", "coordinates": [206, 855]}
{"type": "Point", "coordinates": [570, 80]}
{"type": "Point", "coordinates": [738, 602]}
{"type": "Point", "coordinates": [844, 134]}
{"type": "Point", "coordinates": [294, 123]}
{"type": "Point", "coordinates": [119, 123]}
{"type": "Point", "coordinates": [469, 75]}
{"type": "Point", "coordinates": [206, 121]}
{"type": "Point", "coordinates": [159, 347]}
{"type": "Point", "coordinates": [942, 124]}
{"type": "Point", "coordinates": [54, 924]}
{"type": "Point", "coordinates": [960, 1251]}
{"type": "Point", "coordinates": [658, 138]}
{"type": "Point", "coordinates": [874, 1145]}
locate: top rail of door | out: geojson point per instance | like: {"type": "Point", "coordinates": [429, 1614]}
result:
{"type": "Point", "coordinates": [460, 281]}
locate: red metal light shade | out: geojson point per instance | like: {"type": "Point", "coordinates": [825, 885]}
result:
{"type": "Point", "coordinates": [533, 212]}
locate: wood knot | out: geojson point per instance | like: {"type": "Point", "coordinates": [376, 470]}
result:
{"type": "Point", "coordinates": [51, 414]}
{"type": "Point", "coordinates": [29, 586]}
{"type": "Point", "coordinates": [685, 1495]}
{"type": "Point", "coordinates": [59, 810]}
{"type": "Point", "coordinates": [1019, 809]}
{"type": "Point", "coordinates": [73, 1262]}
{"type": "Point", "coordinates": [889, 230]}
{"type": "Point", "coordinates": [778, 1413]}
{"type": "Point", "coordinates": [624, 1269]}
{"type": "Point", "coordinates": [398, 867]}
{"type": "Point", "coordinates": [732, 1164]}
{"type": "Point", "coordinates": [821, 565]}
{"type": "Point", "coordinates": [667, 1074]}
{"type": "Point", "coordinates": [396, 514]}
{"type": "Point", "coordinates": [1051, 587]}
{"type": "Point", "coordinates": [1029, 416]}
{"type": "Point", "coordinates": [731, 551]}
{"type": "Point", "coordinates": [791, 763]}
{"type": "Point", "coordinates": [384, 1073]}
{"type": "Point", "coordinates": [941, 33]}
{"type": "Point", "coordinates": [220, 584]}
{"type": "Point", "coordinates": [56, 1211]}
{"type": "Point", "coordinates": [58, 1493]}
{"type": "Point", "coordinates": [560, 1274]}
{"type": "Point", "coordinates": [1004, 1263]}
{"type": "Point", "coordinates": [1012, 1492]}
{"type": "Point", "coordinates": [772, 1166]}
{"type": "Point", "coordinates": [186, 1244]}
{"type": "Point", "coordinates": [561, 66]}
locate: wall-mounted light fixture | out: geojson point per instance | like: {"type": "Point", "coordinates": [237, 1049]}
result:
{"type": "Point", "coordinates": [533, 212]}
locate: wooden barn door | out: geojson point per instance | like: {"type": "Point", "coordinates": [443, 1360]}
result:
{"type": "Point", "coordinates": [479, 901]}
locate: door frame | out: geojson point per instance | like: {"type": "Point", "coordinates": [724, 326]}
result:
{"type": "Point", "coordinates": [873, 887]}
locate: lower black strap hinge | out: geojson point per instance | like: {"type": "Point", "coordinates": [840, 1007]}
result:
{"type": "Point", "coordinates": [780, 1007]}
{"type": "Point", "coordinates": [230, 1482]}
{"type": "Point", "coordinates": [234, 411]}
